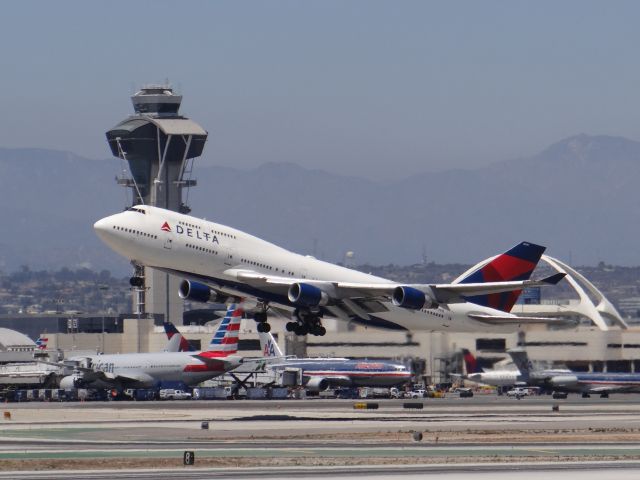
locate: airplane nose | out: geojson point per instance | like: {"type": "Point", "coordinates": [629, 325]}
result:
{"type": "Point", "coordinates": [104, 229]}
{"type": "Point", "coordinates": [101, 225]}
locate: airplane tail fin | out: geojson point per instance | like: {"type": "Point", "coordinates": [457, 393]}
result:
{"type": "Point", "coordinates": [269, 345]}
{"type": "Point", "coordinates": [513, 265]}
{"type": "Point", "coordinates": [41, 343]}
{"type": "Point", "coordinates": [225, 340]}
{"type": "Point", "coordinates": [470, 362]}
{"type": "Point", "coordinates": [176, 343]}
{"type": "Point", "coordinates": [521, 360]}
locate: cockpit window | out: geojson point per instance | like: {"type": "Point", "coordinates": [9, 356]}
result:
{"type": "Point", "coordinates": [134, 209]}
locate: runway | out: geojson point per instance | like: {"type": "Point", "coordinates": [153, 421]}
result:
{"type": "Point", "coordinates": [274, 437]}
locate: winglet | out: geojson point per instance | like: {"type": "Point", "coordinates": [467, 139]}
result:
{"type": "Point", "coordinates": [554, 279]}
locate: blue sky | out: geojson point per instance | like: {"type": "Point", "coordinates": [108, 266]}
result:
{"type": "Point", "coordinates": [373, 88]}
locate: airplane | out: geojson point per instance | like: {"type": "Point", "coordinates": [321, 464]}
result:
{"type": "Point", "coordinates": [217, 262]}
{"type": "Point", "coordinates": [524, 374]}
{"type": "Point", "coordinates": [585, 383]}
{"type": "Point", "coordinates": [144, 370]}
{"type": "Point", "coordinates": [318, 374]}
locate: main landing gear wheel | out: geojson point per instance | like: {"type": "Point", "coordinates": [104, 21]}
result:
{"type": "Point", "coordinates": [136, 281]}
{"type": "Point", "coordinates": [264, 327]}
{"type": "Point", "coordinates": [306, 322]}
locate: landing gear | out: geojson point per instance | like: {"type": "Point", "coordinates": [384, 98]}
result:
{"type": "Point", "coordinates": [586, 395]}
{"type": "Point", "coordinates": [136, 282]}
{"type": "Point", "coordinates": [264, 327]}
{"type": "Point", "coordinates": [604, 395]}
{"type": "Point", "coordinates": [306, 322]}
{"type": "Point", "coordinates": [260, 316]}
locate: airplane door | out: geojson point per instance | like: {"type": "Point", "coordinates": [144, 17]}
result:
{"type": "Point", "coordinates": [168, 240]}
{"type": "Point", "coordinates": [229, 261]}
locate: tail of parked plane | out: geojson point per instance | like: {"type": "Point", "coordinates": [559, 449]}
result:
{"type": "Point", "coordinates": [521, 360]}
{"type": "Point", "coordinates": [177, 343]}
{"type": "Point", "coordinates": [225, 340]}
{"type": "Point", "coordinates": [41, 343]}
{"type": "Point", "coordinates": [470, 362]}
{"type": "Point", "coordinates": [513, 265]}
{"type": "Point", "coordinates": [269, 346]}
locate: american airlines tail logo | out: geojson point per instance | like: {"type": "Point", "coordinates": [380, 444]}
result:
{"type": "Point", "coordinates": [269, 351]}
{"type": "Point", "coordinates": [165, 227]}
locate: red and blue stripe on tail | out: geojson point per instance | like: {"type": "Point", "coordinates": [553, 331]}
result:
{"type": "Point", "coordinates": [513, 265]}
{"type": "Point", "coordinates": [171, 330]}
{"type": "Point", "coordinates": [225, 339]}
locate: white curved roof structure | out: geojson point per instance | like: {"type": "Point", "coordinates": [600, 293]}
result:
{"type": "Point", "coordinates": [11, 338]}
{"type": "Point", "coordinates": [592, 303]}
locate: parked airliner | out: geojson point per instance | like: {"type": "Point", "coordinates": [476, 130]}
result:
{"type": "Point", "coordinates": [585, 383]}
{"type": "Point", "coordinates": [218, 262]}
{"type": "Point", "coordinates": [143, 370]}
{"type": "Point", "coordinates": [321, 373]}
{"type": "Point", "coordinates": [521, 375]}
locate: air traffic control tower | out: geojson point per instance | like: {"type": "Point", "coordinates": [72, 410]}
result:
{"type": "Point", "coordinates": [159, 145]}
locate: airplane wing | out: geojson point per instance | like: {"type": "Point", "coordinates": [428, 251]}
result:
{"type": "Point", "coordinates": [514, 319]}
{"type": "Point", "coordinates": [439, 293]}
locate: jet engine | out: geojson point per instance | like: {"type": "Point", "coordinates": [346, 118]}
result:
{"type": "Point", "coordinates": [199, 292]}
{"type": "Point", "coordinates": [563, 380]}
{"type": "Point", "coordinates": [71, 382]}
{"type": "Point", "coordinates": [412, 298]}
{"type": "Point", "coordinates": [307, 295]}
{"type": "Point", "coordinates": [317, 384]}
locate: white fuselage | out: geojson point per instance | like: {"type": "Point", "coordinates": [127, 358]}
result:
{"type": "Point", "coordinates": [496, 378]}
{"type": "Point", "coordinates": [152, 369]}
{"type": "Point", "coordinates": [195, 248]}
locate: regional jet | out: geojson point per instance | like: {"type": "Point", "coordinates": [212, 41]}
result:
{"type": "Point", "coordinates": [218, 262]}
{"type": "Point", "coordinates": [523, 374]}
{"type": "Point", "coordinates": [144, 370]}
{"type": "Point", "coordinates": [585, 383]}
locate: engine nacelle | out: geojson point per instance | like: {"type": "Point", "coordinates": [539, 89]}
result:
{"type": "Point", "coordinates": [307, 295]}
{"type": "Point", "coordinates": [563, 380]}
{"type": "Point", "coordinates": [198, 292]}
{"type": "Point", "coordinates": [71, 382]}
{"type": "Point", "coordinates": [412, 298]}
{"type": "Point", "coordinates": [317, 384]}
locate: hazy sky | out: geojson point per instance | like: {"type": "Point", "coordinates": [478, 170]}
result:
{"type": "Point", "coordinates": [373, 88]}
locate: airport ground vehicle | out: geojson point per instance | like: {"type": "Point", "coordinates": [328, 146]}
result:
{"type": "Point", "coordinates": [518, 392]}
{"type": "Point", "coordinates": [417, 394]}
{"type": "Point", "coordinates": [172, 394]}
{"type": "Point", "coordinates": [463, 392]}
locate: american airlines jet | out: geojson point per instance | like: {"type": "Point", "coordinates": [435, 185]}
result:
{"type": "Point", "coordinates": [143, 370]}
{"type": "Point", "coordinates": [318, 374]}
{"type": "Point", "coordinates": [218, 262]}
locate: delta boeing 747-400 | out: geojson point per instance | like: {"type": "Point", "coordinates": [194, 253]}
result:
{"type": "Point", "coordinates": [218, 262]}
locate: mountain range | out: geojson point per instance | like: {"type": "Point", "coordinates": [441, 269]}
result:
{"type": "Point", "coordinates": [577, 196]}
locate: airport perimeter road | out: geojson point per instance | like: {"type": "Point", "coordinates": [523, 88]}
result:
{"type": "Point", "coordinates": [274, 436]}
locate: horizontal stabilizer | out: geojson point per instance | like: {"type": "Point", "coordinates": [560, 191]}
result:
{"type": "Point", "coordinates": [553, 279]}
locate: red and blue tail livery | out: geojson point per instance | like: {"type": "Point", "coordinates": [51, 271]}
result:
{"type": "Point", "coordinates": [171, 330]}
{"type": "Point", "coordinates": [513, 265]}
{"type": "Point", "coordinates": [226, 338]}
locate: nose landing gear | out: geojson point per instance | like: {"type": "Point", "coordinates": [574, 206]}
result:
{"type": "Point", "coordinates": [260, 316]}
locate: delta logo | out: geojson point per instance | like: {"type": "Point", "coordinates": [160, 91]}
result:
{"type": "Point", "coordinates": [165, 227]}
